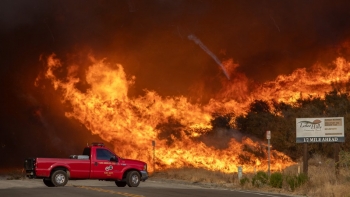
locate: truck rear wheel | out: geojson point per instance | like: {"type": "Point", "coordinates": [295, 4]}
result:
{"type": "Point", "coordinates": [48, 183]}
{"type": "Point", "coordinates": [133, 179]}
{"type": "Point", "coordinates": [120, 183]}
{"type": "Point", "coordinates": [59, 178]}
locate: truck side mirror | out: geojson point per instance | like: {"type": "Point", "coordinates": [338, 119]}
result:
{"type": "Point", "coordinates": [114, 158]}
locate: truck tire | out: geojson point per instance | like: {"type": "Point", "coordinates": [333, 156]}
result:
{"type": "Point", "coordinates": [133, 179]}
{"type": "Point", "coordinates": [48, 183]}
{"type": "Point", "coordinates": [59, 178]}
{"type": "Point", "coordinates": [120, 183]}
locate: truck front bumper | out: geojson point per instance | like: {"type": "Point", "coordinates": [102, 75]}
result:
{"type": "Point", "coordinates": [144, 175]}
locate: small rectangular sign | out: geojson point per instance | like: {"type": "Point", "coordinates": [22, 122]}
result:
{"type": "Point", "coordinates": [240, 172]}
{"type": "Point", "coordinates": [268, 135]}
{"type": "Point", "coordinates": [319, 130]}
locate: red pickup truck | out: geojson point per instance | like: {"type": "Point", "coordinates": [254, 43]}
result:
{"type": "Point", "coordinates": [96, 162]}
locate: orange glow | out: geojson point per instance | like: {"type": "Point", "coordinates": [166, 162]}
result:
{"type": "Point", "coordinates": [131, 123]}
{"type": "Point", "coordinates": [302, 83]}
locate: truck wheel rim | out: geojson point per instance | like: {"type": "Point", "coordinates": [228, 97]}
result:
{"type": "Point", "coordinates": [60, 178]}
{"type": "Point", "coordinates": [135, 179]}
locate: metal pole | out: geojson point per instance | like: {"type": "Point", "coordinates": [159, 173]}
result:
{"type": "Point", "coordinates": [268, 137]}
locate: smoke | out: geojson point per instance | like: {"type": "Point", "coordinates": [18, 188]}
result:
{"type": "Point", "coordinates": [266, 39]}
{"type": "Point", "coordinates": [14, 14]}
{"type": "Point", "coordinates": [131, 4]}
{"type": "Point", "coordinates": [199, 42]}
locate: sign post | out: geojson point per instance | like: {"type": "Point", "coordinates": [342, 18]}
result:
{"type": "Point", "coordinates": [268, 137]}
{"type": "Point", "coordinates": [240, 172]}
{"type": "Point", "coordinates": [319, 130]}
{"type": "Point", "coordinates": [305, 160]}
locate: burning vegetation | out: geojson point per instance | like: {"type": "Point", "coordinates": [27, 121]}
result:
{"type": "Point", "coordinates": [218, 74]}
{"type": "Point", "coordinates": [189, 134]}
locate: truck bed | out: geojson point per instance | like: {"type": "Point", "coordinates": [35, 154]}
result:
{"type": "Point", "coordinates": [78, 168]}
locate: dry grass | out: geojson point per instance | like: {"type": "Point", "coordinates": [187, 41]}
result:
{"type": "Point", "coordinates": [323, 182]}
{"type": "Point", "coordinates": [197, 176]}
{"type": "Point", "coordinates": [13, 173]}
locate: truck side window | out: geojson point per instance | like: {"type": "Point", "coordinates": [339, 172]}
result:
{"type": "Point", "coordinates": [103, 154]}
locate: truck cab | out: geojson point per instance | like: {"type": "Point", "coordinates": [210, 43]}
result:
{"type": "Point", "coordinates": [96, 162]}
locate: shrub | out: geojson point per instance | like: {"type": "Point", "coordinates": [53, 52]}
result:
{"type": "Point", "coordinates": [276, 180]}
{"type": "Point", "coordinates": [302, 178]}
{"type": "Point", "coordinates": [243, 181]}
{"type": "Point", "coordinates": [260, 179]}
{"type": "Point", "coordinates": [295, 181]}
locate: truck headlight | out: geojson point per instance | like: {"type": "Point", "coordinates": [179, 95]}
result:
{"type": "Point", "coordinates": [145, 167]}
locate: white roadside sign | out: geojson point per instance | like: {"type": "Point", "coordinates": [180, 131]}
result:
{"type": "Point", "coordinates": [268, 135]}
{"type": "Point", "coordinates": [319, 130]}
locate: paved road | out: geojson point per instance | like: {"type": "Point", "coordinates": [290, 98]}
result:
{"type": "Point", "coordinates": [31, 188]}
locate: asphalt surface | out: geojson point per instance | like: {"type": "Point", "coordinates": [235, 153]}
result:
{"type": "Point", "coordinates": [150, 188]}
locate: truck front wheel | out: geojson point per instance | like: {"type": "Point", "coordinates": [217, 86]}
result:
{"type": "Point", "coordinates": [133, 179]}
{"type": "Point", "coordinates": [59, 178]}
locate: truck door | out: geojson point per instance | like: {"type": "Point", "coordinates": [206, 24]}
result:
{"type": "Point", "coordinates": [102, 167]}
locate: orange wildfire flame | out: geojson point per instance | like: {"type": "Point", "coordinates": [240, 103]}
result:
{"type": "Point", "coordinates": [131, 124]}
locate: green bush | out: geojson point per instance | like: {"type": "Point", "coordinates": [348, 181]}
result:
{"type": "Point", "coordinates": [292, 182]}
{"type": "Point", "coordinates": [295, 181]}
{"type": "Point", "coordinates": [276, 180]}
{"type": "Point", "coordinates": [302, 178]}
{"type": "Point", "coordinates": [260, 179]}
{"type": "Point", "coordinates": [243, 181]}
